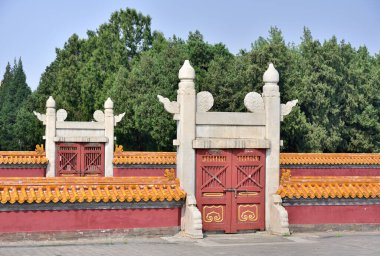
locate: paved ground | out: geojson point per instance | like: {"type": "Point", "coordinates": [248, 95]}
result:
{"type": "Point", "coordinates": [328, 243]}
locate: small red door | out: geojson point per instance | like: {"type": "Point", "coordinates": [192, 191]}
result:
{"type": "Point", "coordinates": [80, 159]}
{"type": "Point", "coordinates": [92, 156]}
{"type": "Point", "coordinates": [230, 189]}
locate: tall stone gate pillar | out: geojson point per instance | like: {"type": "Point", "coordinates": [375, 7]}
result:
{"type": "Point", "coordinates": [191, 223]}
{"type": "Point", "coordinates": [184, 110]}
{"type": "Point", "coordinates": [271, 97]}
{"type": "Point", "coordinates": [186, 128]}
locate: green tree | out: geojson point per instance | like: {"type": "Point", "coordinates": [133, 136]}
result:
{"type": "Point", "coordinates": [13, 93]}
{"type": "Point", "coordinates": [146, 126]}
{"type": "Point", "coordinates": [336, 85]}
{"type": "Point", "coordinates": [85, 69]}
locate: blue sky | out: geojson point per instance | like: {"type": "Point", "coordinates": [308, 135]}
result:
{"type": "Point", "coordinates": [32, 29]}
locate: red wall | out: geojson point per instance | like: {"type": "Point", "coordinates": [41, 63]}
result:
{"type": "Point", "coordinates": [22, 172]}
{"type": "Point", "coordinates": [333, 214]}
{"type": "Point", "coordinates": [75, 220]}
{"type": "Point", "coordinates": [127, 172]}
{"type": "Point", "coordinates": [335, 172]}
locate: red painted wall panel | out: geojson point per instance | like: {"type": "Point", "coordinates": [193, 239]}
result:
{"type": "Point", "coordinates": [73, 220]}
{"type": "Point", "coordinates": [128, 172]}
{"type": "Point", "coordinates": [22, 172]}
{"type": "Point", "coordinates": [335, 172]}
{"type": "Point", "coordinates": [333, 214]}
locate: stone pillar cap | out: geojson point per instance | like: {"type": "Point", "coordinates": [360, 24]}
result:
{"type": "Point", "coordinates": [186, 72]}
{"type": "Point", "coordinates": [271, 75]}
{"type": "Point", "coordinates": [50, 103]}
{"type": "Point", "coordinates": [108, 104]}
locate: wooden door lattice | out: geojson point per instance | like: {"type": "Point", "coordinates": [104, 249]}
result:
{"type": "Point", "coordinates": [80, 159]}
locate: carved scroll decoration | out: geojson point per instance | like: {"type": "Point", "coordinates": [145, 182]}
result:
{"type": "Point", "coordinates": [98, 116]}
{"type": "Point", "coordinates": [119, 117]}
{"type": "Point", "coordinates": [61, 115]}
{"type": "Point", "coordinates": [254, 102]}
{"type": "Point", "coordinates": [205, 101]}
{"type": "Point", "coordinates": [287, 108]}
{"type": "Point", "coordinates": [170, 106]}
{"type": "Point", "coordinates": [41, 117]}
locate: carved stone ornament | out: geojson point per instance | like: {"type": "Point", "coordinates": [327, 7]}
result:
{"type": "Point", "coordinates": [170, 174]}
{"type": "Point", "coordinates": [254, 102]}
{"type": "Point", "coordinates": [287, 108]}
{"type": "Point", "coordinates": [118, 149]}
{"type": "Point", "coordinates": [40, 149]}
{"type": "Point", "coordinates": [98, 116]}
{"type": "Point", "coordinates": [205, 101]}
{"type": "Point", "coordinates": [118, 118]}
{"type": "Point", "coordinates": [41, 117]}
{"type": "Point", "coordinates": [61, 115]}
{"type": "Point", "coordinates": [170, 106]}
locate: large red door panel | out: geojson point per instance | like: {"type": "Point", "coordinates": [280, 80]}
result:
{"type": "Point", "coordinates": [248, 179]}
{"type": "Point", "coordinates": [213, 178]}
{"type": "Point", "coordinates": [230, 189]}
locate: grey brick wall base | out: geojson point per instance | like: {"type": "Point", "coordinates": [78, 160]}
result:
{"type": "Point", "coordinates": [88, 234]}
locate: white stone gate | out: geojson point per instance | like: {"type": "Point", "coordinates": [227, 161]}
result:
{"type": "Point", "coordinates": [60, 131]}
{"type": "Point", "coordinates": [197, 128]}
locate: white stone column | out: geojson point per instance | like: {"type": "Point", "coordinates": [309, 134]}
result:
{"type": "Point", "coordinates": [109, 123]}
{"type": "Point", "coordinates": [191, 222]}
{"type": "Point", "coordinates": [186, 128]}
{"type": "Point", "coordinates": [271, 97]}
{"type": "Point", "coordinates": [49, 136]}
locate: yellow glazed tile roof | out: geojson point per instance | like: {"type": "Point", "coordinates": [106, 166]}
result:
{"type": "Point", "coordinates": [89, 189]}
{"type": "Point", "coordinates": [329, 186]}
{"type": "Point", "coordinates": [24, 157]}
{"type": "Point", "coordinates": [329, 158]}
{"type": "Point", "coordinates": [125, 157]}
{"type": "Point", "coordinates": [130, 157]}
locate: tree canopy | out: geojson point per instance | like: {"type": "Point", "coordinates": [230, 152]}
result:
{"type": "Point", "coordinates": [14, 92]}
{"type": "Point", "coordinates": [337, 86]}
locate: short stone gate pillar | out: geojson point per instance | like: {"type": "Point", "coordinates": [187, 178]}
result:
{"type": "Point", "coordinates": [49, 136]}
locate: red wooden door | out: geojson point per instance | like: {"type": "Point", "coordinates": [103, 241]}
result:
{"type": "Point", "coordinates": [248, 183]}
{"type": "Point", "coordinates": [230, 189]}
{"type": "Point", "coordinates": [213, 178]}
{"type": "Point", "coordinates": [93, 159]}
{"type": "Point", "coordinates": [80, 159]}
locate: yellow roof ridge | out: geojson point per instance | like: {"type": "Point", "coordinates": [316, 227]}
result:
{"type": "Point", "coordinates": [330, 158]}
{"type": "Point", "coordinates": [328, 186]}
{"type": "Point", "coordinates": [136, 157]}
{"type": "Point", "coordinates": [89, 189]}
